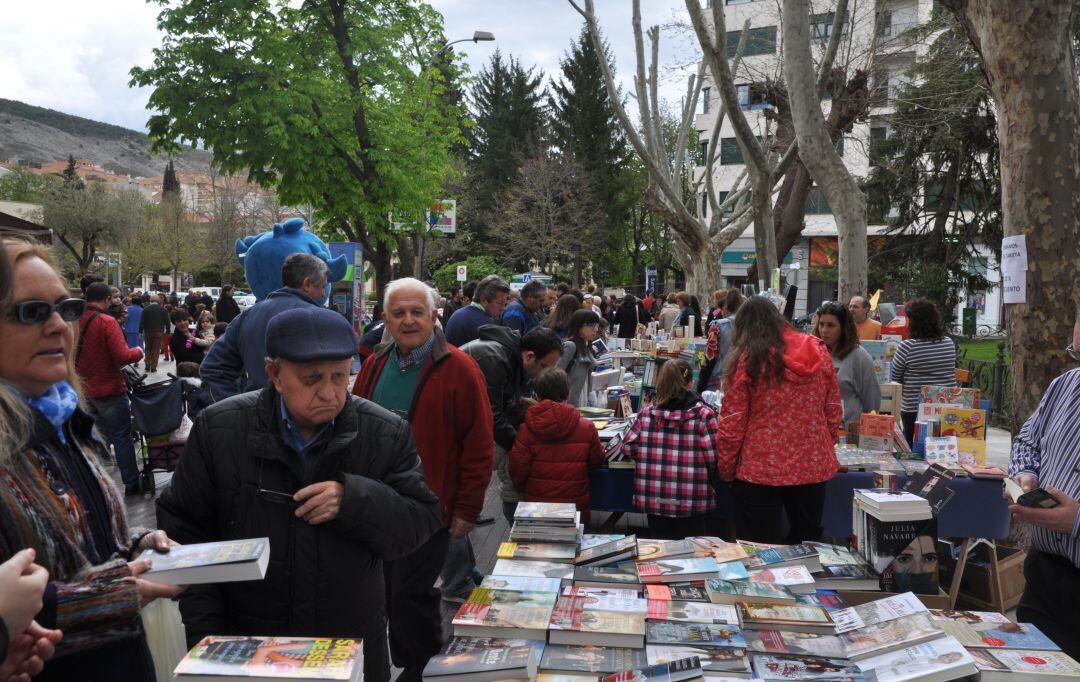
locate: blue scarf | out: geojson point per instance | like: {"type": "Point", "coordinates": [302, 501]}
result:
{"type": "Point", "coordinates": [57, 404]}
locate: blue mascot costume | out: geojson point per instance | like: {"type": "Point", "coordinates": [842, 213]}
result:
{"type": "Point", "coordinates": [236, 361]}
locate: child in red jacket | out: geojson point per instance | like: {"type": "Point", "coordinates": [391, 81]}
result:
{"type": "Point", "coordinates": [555, 447]}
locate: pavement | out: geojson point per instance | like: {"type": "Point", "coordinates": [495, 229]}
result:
{"type": "Point", "coordinates": [998, 448]}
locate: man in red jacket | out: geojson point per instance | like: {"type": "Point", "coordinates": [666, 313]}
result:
{"type": "Point", "coordinates": [442, 393]}
{"type": "Point", "coordinates": [100, 354]}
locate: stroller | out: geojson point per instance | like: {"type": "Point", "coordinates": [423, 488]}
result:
{"type": "Point", "coordinates": [158, 412]}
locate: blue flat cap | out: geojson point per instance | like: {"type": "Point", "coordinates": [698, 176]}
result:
{"type": "Point", "coordinates": [308, 334]}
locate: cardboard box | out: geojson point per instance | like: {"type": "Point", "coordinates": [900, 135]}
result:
{"type": "Point", "coordinates": [932, 601]}
{"type": "Point", "coordinates": [976, 585]}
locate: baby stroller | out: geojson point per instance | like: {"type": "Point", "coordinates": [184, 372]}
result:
{"type": "Point", "coordinates": [158, 412]}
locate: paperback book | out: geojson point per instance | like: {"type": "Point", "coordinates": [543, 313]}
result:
{"type": "Point", "coordinates": [557, 553]}
{"type": "Point", "coordinates": [652, 550]}
{"type": "Point", "coordinates": [827, 599]}
{"type": "Point", "coordinates": [688, 591]}
{"type": "Point", "coordinates": [788, 643]}
{"type": "Point", "coordinates": [533, 569]}
{"type": "Point", "coordinates": [593, 539]}
{"type": "Point", "coordinates": [797, 618]}
{"type": "Point", "coordinates": [693, 612]}
{"type": "Point", "coordinates": [795, 578]}
{"type": "Point", "coordinates": [500, 613]}
{"type": "Point", "coordinates": [603, 593]}
{"type": "Point", "coordinates": [521, 584]}
{"type": "Point", "coordinates": [805, 668]}
{"type": "Point", "coordinates": [468, 659]}
{"type": "Point", "coordinates": [590, 659]}
{"type": "Point", "coordinates": [210, 562]}
{"type": "Point", "coordinates": [734, 591]}
{"type": "Point", "coordinates": [963, 423]}
{"type": "Point", "coordinates": [674, 671]}
{"type": "Point", "coordinates": [721, 551]}
{"type": "Point", "coordinates": [715, 661]}
{"type": "Point", "coordinates": [694, 634]}
{"type": "Point", "coordinates": [939, 659]}
{"type": "Point", "coordinates": [803, 554]}
{"type": "Point", "coordinates": [1016, 665]}
{"type": "Point", "coordinates": [607, 553]}
{"type": "Point", "coordinates": [850, 577]}
{"type": "Point", "coordinates": [572, 623]}
{"type": "Point", "coordinates": [553, 513]}
{"type": "Point", "coordinates": [877, 611]}
{"type": "Point", "coordinates": [999, 636]}
{"type": "Point", "coordinates": [272, 658]}
{"type": "Point", "coordinates": [623, 575]}
{"type": "Point", "coordinates": [889, 635]}
{"type": "Point", "coordinates": [673, 570]}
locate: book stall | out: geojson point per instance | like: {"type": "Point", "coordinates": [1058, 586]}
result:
{"type": "Point", "coordinates": [561, 605]}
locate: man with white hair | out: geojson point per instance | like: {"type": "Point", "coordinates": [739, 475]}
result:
{"type": "Point", "coordinates": [443, 394]}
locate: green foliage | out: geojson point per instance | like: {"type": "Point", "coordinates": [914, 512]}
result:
{"type": "Point", "coordinates": [478, 268]}
{"type": "Point", "coordinates": [334, 103]}
{"type": "Point", "coordinates": [170, 184]}
{"type": "Point", "coordinates": [71, 177]}
{"type": "Point", "coordinates": [84, 220]}
{"type": "Point", "coordinates": [23, 185]}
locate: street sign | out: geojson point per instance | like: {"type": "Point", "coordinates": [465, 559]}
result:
{"type": "Point", "coordinates": [442, 216]}
{"type": "Point", "coordinates": [650, 278]}
{"type": "Point", "coordinates": [462, 273]}
{"type": "Point", "coordinates": [526, 277]}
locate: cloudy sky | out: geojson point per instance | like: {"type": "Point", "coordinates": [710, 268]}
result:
{"type": "Point", "coordinates": [74, 56]}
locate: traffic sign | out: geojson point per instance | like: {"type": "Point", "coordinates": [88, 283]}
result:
{"type": "Point", "coordinates": [462, 273]}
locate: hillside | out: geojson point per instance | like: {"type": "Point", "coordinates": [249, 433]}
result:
{"type": "Point", "coordinates": [38, 134]}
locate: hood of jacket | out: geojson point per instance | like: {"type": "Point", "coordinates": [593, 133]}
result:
{"type": "Point", "coordinates": [802, 356]}
{"type": "Point", "coordinates": [289, 292]}
{"type": "Point", "coordinates": [551, 421]}
{"type": "Point", "coordinates": [686, 407]}
{"type": "Point", "coordinates": [504, 336]}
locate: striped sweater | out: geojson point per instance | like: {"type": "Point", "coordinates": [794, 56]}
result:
{"type": "Point", "coordinates": [923, 362]}
{"type": "Point", "coordinates": [92, 596]}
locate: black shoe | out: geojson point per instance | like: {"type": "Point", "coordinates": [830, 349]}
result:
{"type": "Point", "coordinates": [132, 490]}
{"type": "Point", "coordinates": [484, 520]}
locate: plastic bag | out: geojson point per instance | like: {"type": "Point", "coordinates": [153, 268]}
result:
{"type": "Point", "coordinates": [165, 635]}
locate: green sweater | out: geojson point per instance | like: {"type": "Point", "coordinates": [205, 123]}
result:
{"type": "Point", "coordinates": [395, 387]}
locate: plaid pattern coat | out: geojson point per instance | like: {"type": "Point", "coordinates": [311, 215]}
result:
{"type": "Point", "coordinates": [675, 452]}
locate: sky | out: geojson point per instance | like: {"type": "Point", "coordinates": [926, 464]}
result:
{"type": "Point", "coordinates": [74, 56]}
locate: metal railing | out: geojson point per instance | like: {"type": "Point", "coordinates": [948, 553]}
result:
{"type": "Point", "coordinates": [993, 379]}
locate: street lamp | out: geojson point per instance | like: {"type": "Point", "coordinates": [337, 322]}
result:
{"type": "Point", "coordinates": [477, 36]}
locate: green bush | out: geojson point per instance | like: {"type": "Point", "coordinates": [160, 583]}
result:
{"type": "Point", "coordinates": [478, 268]}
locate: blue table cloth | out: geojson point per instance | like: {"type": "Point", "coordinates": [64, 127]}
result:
{"type": "Point", "coordinates": [977, 510]}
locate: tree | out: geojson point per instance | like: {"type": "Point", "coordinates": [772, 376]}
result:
{"type": "Point", "coordinates": [335, 104]}
{"type": "Point", "coordinates": [585, 130]}
{"type": "Point", "coordinates": [511, 124]}
{"type": "Point", "coordinates": [1026, 49]}
{"type": "Point", "coordinates": [170, 184]}
{"type": "Point", "coordinates": [23, 185]}
{"type": "Point", "coordinates": [477, 267]}
{"type": "Point", "coordinates": [70, 175]}
{"type": "Point", "coordinates": [85, 219]}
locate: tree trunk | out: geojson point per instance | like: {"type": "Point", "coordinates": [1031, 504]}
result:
{"type": "Point", "coordinates": [764, 233]}
{"type": "Point", "coordinates": [818, 153]}
{"type": "Point", "coordinates": [1029, 63]}
{"type": "Point", "coordinates": [703, 274]}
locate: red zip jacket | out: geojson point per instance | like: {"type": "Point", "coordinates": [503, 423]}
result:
{"type": "Point", "coordinates": [451, 425]}
{"type": "Point", "coordinates": [104, 352]}
{"type": "Point", "coordinates": [551, 458]}
{"type": "Point", "coordinates": [783, 433]}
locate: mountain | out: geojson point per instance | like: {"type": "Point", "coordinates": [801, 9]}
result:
{"type": "Point", "coordinates": [42, 135]}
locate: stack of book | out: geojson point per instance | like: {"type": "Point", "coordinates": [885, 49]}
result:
{"type": "Point", "coordinates": [894, 531]}
{"type": "Point", "coordinates": [843, 569]}
{"type": "Point", "coordinates": [547, 522]}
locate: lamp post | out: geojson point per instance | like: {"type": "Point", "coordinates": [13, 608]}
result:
{"type": "Point", "coordinates": [418, 258]}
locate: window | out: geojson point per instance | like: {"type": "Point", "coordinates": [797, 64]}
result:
{"type": "Point", "coordinates": [754, 96]}
{"type": "Point", "coordinates": [730, 154]}
{"type": "Point", "coordinates": [705, 94]}
{"type": "Point", "coordinates": [721, 197]}
{"type": "Point", "coordinates": [743, 91]}
{"type": "Point", "coordinates": [734, 2]}
{"type": "Point", "coordinates": [878, 146]}
{"type": "Point", "coordinates": [703, 152]}
{"type": "Point", "coordinates": [821, 26]}
{"type": "Point", "coordinates": [816, 203]}
{"type": "Point", "coordinates": [758, 41]}
{"type": "Point", "coordinates": [885, 27]}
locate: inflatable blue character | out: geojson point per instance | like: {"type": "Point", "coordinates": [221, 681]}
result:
{"type": "Point", "coordinates": [262, 256]}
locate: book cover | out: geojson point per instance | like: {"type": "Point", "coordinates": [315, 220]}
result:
{"type": "Point", "coordinates": [521, 584]}
{"type": "Point", "coordinates": [591, 659]}
{"type": "Point", "coordinates": [273, 657]}
{"type": "Point", "coordinates": [732, 570]}
{"type": "Point", "coordinates": [961, 397]}
{"type": "Point", "coordinates": [651, 550]}
{"type": "Point", "coordinates": [722, 551]}
{"type": "Point", "coordinates": [501, 616]}
{"type": "Point", "coordinates": [942, 657]}
{"type": "Point", "coordinates": [970, 617]}
{"type": "Point", "coordinates": [777, 616]}
{"type": "Point", "coordinates": [789, 643]}
{"type": "Point", "coordinates": [673, 569]}
{"type": "Point", "coordinates": [931, 412]}
{"type": "Point", "coordinates": [597, 602]}
{"type": "Point", "coordinates": [602, 592]}
{"type": "Point", "coordinates": [999, 635]}
{"type": "Point", "coordinates": [618, 574]}
{"type": "Point", "coordinates": [835, 555]}
{"type": "Point", "coordinates": [694, 634]}
{"type": "Point", "coordinates": [915, 567]}
{"type": "Point", "coordinates": [963, 423]}
{"type": "Point", "coordinates": [537, 550]}
{"type": "Point", "coordinates": [557, 513]}
{"type": "Point", "coordinates": [1024, 662]}
{"type": "Point", "coordinates": [688, 591]}
{"type": "Point", "coordinates": [876, 432]}
{"type": "Point", "coordinates": [534, 600]}
{"type": "Point", "coordinates": [533, 569]}
{"type": "Point", "coordinates": [933, 485]}
{"type": "Point", "coordinates": [787, 576]}
{"type": "Point", "coordinates": [898, 633]}
{"type": "Point", "coordinates": [518, 658]}
{"type": "Point", "coordinates": [972, 452]}
{"type": "Point", "coordinates": [877, 611]}
{"type": "Point", "coordinates": [731, 591]}
{"type": "Point", "coordinates": [714, 660]}
{"type": "Point", "coordinates": [804, 552]}
{"type": "Point", "coordinates": [942, 450]}
{"type": "Point", "coordinates": [622, 547]}
{"type": "Point", "coordinates": [672, 671]}
{"type": "Point", "coordinates": [829, 600]}
{"type": "Point", "coordinates": [693, 612]}
{"type": "Point", "coordinates": [185, 564]}
{"type": "Point", "coordinates": [593, 539]}
{"type": "Point", "coordinates": [570, 614]}
{"type": "Point", "coordinates": [768, 667]}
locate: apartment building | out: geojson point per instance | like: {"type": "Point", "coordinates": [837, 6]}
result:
{"type": "Point", "coordinates": [878, 38]}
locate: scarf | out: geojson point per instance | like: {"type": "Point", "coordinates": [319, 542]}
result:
{"type": "Point", "coordinates": [57, 404]}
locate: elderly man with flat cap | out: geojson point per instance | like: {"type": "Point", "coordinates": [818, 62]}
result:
{"type": "Point", "coordinates": [332, 479]}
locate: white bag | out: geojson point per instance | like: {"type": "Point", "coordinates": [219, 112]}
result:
{"type": "Point", "coordinates": [165, 635]}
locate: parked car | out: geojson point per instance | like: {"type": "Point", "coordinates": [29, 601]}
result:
{"type": "Point", "coordinates": [243, 299]}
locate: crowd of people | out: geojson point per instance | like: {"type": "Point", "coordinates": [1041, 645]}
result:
{"type": "Point", "coordinates": [369, 488]}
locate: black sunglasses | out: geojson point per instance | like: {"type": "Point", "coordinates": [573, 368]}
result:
{"type": "Point", "coordinates": [38, 312]}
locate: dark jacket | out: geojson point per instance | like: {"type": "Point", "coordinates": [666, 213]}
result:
{"type": "Point", "coordinates": [464, 325]}
{"type": "Point", "coordinates": [498, 352]}
{"type": "Point", "coordinates": [236, 363]}
{"type": "Point", "coordinates": [629, 317]}
{"type": "Point", "coordinates": [519, 318]}
{"type": "Point", "coordinates": [554, 451]}
{"type": "Point", "coordinates": [154, 319]}
{"type": "Point", "coordinates": [178, 344]}
{"type": "Point", "coordinates": [451, 424]}
{"type": "Point", "coordinates": [226, 309]}
{"type": "Point", "coordinates": [324, 579]}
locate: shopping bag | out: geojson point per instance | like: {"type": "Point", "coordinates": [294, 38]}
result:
{"type": "Point", "coordinates": [165, 635]}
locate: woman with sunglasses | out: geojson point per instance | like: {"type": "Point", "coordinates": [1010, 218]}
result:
{"type": "Point", "coordinates": [56, 497]}
{"type": "Point", "coordinates": [859, 387]}
{"type": "Point", "coordinates": [577, 359]}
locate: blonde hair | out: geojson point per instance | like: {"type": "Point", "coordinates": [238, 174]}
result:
{"type": "Point", "coordinates": [16, 417]}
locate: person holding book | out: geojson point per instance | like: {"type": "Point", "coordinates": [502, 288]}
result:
{"type": "Point", "coordinates": [577, 359]}
{"type": "Point", "coordinates": [555, 446]}
{"type": "Point", "coordinates": [859, 387]}
{"type": "Point", "coordinates": [441, 392]}
{"type": "Point", "coordinates": [928, 358]}
{"type": "Point", "coordinates": [1045, 455]}
{"type": "Point", "coordinates": [334, 481]}
{"type": "Point", "coordinates": [55, 495]}
{"type": "Point", "coordinates": [779, 425]}
{"type": "Point", "coordinates": [673, 442]}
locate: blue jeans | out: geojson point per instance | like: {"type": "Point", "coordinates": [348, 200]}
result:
{"type": "Point", "coordinates": [114, 421]}
{"type": "Point", "coordinates": [459, 575]}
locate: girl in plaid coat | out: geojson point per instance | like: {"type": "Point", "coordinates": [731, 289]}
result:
{"type": "Point", "coordinates": [673, 442]}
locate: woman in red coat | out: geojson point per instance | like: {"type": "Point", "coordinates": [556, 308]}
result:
{"type": "Point", "coordinates": [555, 447]}
{"type": "Point", "coordinates": [778, 426]}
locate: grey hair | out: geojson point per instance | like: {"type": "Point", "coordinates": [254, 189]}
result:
{"type": "Point", "coordinates": [489, 287]}
{"type": "Point", "coordinates": [410, 283]}
{"type": "Point", "coordinates": [301, 266]}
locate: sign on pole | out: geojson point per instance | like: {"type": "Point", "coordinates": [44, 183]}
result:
{"type": "Point", "coordinates": [442, 217]}
{"type": "Point", "coordinates": [650, 278]}
{"type": "Point", "coordinates": [462, 273]}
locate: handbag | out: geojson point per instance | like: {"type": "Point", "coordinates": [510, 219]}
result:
{"type": "Point", "coordinates": [164, 635]}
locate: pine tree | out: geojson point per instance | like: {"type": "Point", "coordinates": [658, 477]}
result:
{"type": "Point", "coordinates": [511, 122]}
{"type": "Point", "coordinates": [586, 130]}
{"type": "Point", "coordinates": [170, 185]}
{"type": "Point", "coordinates": [71, 177]}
